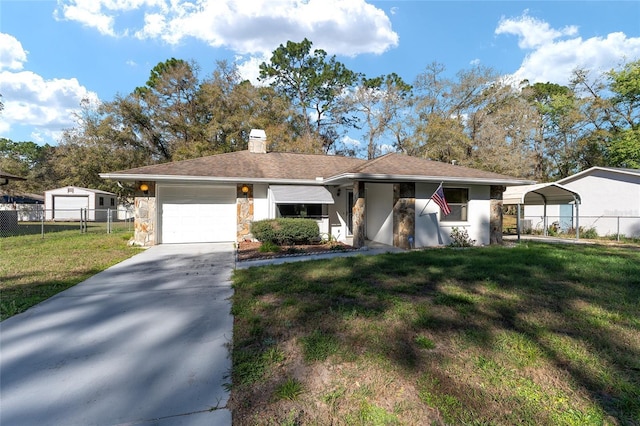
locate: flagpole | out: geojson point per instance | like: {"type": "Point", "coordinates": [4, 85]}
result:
{"type": "Point", "coordinates": [425, 206]}
{"type": "Point", "coordinates": [439, 186]}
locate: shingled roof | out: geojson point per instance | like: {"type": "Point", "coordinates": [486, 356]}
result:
{"type": "Point", "coordinates": [400, 166]}
{"type": "Point", "coordinates": [278, 167]}
{"type": "Point", "coordinates": [246, 165]}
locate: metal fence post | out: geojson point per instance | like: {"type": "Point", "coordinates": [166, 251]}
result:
{"type": "Point", "coordinates": [108, 221]}
{"type": "Point", "coordinates": [618, 230]}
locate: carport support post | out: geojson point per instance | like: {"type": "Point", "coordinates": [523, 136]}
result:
{"type": "Point", "coordinates": [578, 220]}
{"type": "Point", "coordinates": [518, 222]}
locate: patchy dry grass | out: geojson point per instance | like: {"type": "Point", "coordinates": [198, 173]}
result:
{"type": "Point", "coordinates": [33, 269]}
{"type": "Point", "coordinates": [536, 334]}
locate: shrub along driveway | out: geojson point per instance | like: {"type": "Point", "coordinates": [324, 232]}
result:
{"type": "Point", "coordinates": [144, 341]}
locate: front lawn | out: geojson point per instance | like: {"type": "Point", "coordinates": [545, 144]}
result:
{"type": "Point", "coordinates": [535, 334]}
{"type": "Point", "coordinates": [33, 268]}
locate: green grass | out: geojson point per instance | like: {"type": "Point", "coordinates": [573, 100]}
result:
{"type": "Point", "coordinates": [534, 334]}
{"type": "Point", "coordinates": [34, 268]}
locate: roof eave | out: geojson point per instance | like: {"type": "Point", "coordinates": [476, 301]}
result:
{"type": "Point", "coordinates": [216, 179]}
{"type": "Point", "coordinates": [429, 179]}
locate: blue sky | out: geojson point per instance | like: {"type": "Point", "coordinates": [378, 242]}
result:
{"type": "Point", "coordinates": [55, 53]}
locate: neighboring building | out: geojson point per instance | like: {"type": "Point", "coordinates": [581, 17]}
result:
{"type": "Point", "coordinates": [5, 178]}
{"type": "Point", "coordinates": [387, 200]}
{"type": "Point", "coordinates": [8, 217]}
{"type": "Point", "coordinates": [27, 207]}
{"type": "Point", "coordinates": [610, 202]}
{"type": "Point", "coordinates": [68, 203]}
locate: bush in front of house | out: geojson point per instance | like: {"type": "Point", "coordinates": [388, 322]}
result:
{"type": "Point", "coordinates": [286, 231]}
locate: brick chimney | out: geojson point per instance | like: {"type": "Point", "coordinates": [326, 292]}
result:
{"type": "Point", "coordinates": [257, 141]}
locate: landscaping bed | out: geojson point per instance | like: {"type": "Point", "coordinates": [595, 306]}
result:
{"type": "Point", "coordinates": [250, 250]}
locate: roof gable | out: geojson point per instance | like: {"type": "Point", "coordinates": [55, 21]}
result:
{"type": "Point", "coordinates": [592, 170]}
{"type": "Point", "coordinates": [72, 189]}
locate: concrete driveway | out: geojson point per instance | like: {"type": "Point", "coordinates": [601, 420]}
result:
{"type": "Point", "coordinates": [144, 342]}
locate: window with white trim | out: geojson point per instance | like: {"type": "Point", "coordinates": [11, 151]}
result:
{"type": "Point", "coordinates": [458, 200]}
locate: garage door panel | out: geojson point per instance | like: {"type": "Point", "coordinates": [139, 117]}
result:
{"type": "Point", "coordinates": [68, 207]}
{"type": "Point", "coordinates": [198, 214]}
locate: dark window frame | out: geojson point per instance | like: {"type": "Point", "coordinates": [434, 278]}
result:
{"type": "Point", "coordinates": [302, 210]}
{"type": "Point", "coordinates": [458, 201]}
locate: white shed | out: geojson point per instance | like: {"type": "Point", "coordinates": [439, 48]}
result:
{"type": "Point", "coordinates": [69, 202]}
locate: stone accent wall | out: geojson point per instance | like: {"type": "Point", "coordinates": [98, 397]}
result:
{"type": "Point", "coordinates": [245, 213]}
{"type": "Point", "coordinates": [404, 214]}
{"type": "Point", "coordinates": [358, 214]}
{"type": "Point", "coordinates": [495, 218]}
{"type": "Point", "coordinates": [144, 222]}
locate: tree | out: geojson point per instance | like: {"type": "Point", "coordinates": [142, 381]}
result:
{"type": "Point", "coordinates": [27, 159]}
{"type": "Point", "coordinates": [231, 107]}
{"type": "Point", "coordinates": [500, 132]}
{"type": "Point", "coordinates": [623, 150]}
{"type": "Point", "coordinates": [314, 84]}
{"type": "Point", "coordinates": [378, 101]}
{"type": "Point", "coordinates": [561, 130]}
{"type": "Point", "coordinates": [441, 110]}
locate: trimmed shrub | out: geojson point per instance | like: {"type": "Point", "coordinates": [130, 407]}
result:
{"type": "Point", "coordinates": [286, 231]}
{"type": "Point", "coordinates": [264, 231]}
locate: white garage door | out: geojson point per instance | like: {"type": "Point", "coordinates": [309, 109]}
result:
{"type": "Point", "coordinates": [67, 207]}
{"type": "Point", "coordinates": [197, 214]}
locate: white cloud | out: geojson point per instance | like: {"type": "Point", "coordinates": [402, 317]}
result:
{"type": "Point", "coordinates": [30, 100]}
{"type": "Point", "coordinates": [554, 54]}
{"type": "Point", "coordinates": [249, 68]}
{"type": "Point", "coordinates": [12, 55]}
{"type": "Point", "coordinates": [532, 33]}
{"type": "Point", "coordinates": [350, 142]}
{"type": "Point", "coordinates": [246, 27]}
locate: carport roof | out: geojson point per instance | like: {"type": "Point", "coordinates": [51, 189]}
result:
{"type": "Point", "coordinates": [540, 194]}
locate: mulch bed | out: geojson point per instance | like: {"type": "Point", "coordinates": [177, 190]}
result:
{"type": "Point", "coordinates": [249, 250]}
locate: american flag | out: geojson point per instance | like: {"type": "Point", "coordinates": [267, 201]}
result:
{"type": "Point", "coordinates": [439, 199]}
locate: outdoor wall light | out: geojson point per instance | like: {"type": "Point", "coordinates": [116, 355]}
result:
{"type": "Point", "coordinates": [245, 189]}
{"type": "Point", "coordinates": [144, 188]}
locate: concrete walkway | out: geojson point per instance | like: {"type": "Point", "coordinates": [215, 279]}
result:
{"type": "Point", "coordinates": [142, 343]}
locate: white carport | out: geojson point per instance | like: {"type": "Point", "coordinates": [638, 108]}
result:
{"type": "Point", "coordinates": [541, 194]}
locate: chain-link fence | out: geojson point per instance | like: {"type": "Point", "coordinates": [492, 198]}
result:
{"type": "Point", "coordinates": [33, 219]}
{"type": "Point", "coordinates": [590, 226]}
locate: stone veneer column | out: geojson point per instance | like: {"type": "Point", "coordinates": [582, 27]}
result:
{"type": "Point", "coordinates": [404, 214]}
{"type": "Point", "coordinates": [358, 211]}
{"type": "Point", "coordinates": [245, 212]}
{"type": "Point", "coordinates": [144, 223]}
{"type": "Point", "coordinates": [495, 218]}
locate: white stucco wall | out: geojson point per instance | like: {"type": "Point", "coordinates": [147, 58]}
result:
{"type": "Point", "coordinates": [338, 214]}
{"type": "Point", "coordinates": [260, 202]}
{"type": "Point", "coordinates": [379, 212]}
{"type": "Point", "coordinates": [434, 230]}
